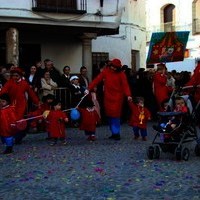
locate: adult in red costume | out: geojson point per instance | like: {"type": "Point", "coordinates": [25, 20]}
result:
{"type": "Point", "coordinates": [115, 89]}
{"type": "Point", "coordinates": [160, 88]}
{"type": "Point", "coordinates": [195, 81]}
{"type": "Point", "coordinates": [17, 88]}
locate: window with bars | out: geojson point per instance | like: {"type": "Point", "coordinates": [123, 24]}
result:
{"type": "Point", "coordinates": [97, 59]}
{"type": "Point", "coordinates": [60, 5]}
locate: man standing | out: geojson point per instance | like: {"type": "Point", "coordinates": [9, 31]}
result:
{"type": "Point", "coordinates": [115, 88]}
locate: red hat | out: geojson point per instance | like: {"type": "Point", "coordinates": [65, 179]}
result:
{"type": "Point", "coordinates": [17, 70]}
{"type": "Point", "coordinates": [116, 63]}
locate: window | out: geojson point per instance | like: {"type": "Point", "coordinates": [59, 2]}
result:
{"type": "Point", "coordinates": [97, 58]}
{"type": "Point", "coordinates": [169, 18]}
{"type": "Point", "coordinates": [196, 17]}
{"type": "Point", "coordinates": [134, 59]}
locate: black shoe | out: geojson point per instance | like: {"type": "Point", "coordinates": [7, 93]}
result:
{"type": "Point", "coordinates": [8, 150]}
{"type": "Point", "coordinates": [117, 137]}
{"type": "Point", "coordinates": [112, 137]}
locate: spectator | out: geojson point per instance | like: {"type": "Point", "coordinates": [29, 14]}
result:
{"type": "Point", "coordinates": [76, 91]}
{"type": "Point", "coordinates": [47, 84]}
{"type": "Point", "coordinates": [65, 83]}
{"type": "Point", "coordinates": [65, 78]}
{"type": "Point", "coordinates": [54, 73]}
{"type": "Point", "coordinates": [33, 79]}
{"type": "Point", "coordinates": [161, 90]}
{"type": "Point", "coordinates": [83, 78]}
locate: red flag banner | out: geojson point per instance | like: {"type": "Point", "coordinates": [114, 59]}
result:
{"type": "Point", "coordinates": [167, 47]}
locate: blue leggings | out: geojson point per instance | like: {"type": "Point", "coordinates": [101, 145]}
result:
{"type": "Point", "coordinates": [137, 131]}
{"type": "Point", "coordinates": [114, 124]}
{"type": "Point", "coordinates": [8, 141]}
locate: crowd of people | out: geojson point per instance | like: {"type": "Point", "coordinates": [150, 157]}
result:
{"type": "Point", "coordinates": [117, 94]}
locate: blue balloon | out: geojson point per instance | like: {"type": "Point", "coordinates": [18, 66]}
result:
{"type": "Point", "coordinates": [75, 114]}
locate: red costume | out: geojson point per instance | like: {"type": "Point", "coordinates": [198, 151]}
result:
{"type": "Point", "coordinates": [17, 93]}
{"type": "Point", "coordinates": [194, 81]}
{"type": "Point", "coordinates": [56, 121]}
{"type": "Point", "coordinates": [161, 90]}
{"type": "Point", "coordinates": [139, 116]}
{"type": "Point", "coordinates": [7, 117]}
{"type": "Point", "coordinates": [115, 89]}
{"type": "Point", "coordinates": [89, 119]}
{"type": "Point", "coordinates": [40, 120]}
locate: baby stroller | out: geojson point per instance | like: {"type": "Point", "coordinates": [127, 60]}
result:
{"type": "Point", "coordinates": [174, 140]}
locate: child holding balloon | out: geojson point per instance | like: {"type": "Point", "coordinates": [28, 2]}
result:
{"type": "Point", "coordinates": [89, 118]}
{"type": "Point", "coordinates": [56, 120]}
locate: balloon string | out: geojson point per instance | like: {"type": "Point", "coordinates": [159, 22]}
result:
{"type": "Point", "coordinates": [77, 104]}
{"type": "Point", "coordinates": [30, 118]}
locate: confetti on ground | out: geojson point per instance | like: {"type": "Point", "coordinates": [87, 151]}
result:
{"type": "Point", "coordinates": [104, 170]}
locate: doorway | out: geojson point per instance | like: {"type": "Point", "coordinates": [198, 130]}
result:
{"type": "Point", "coordinates": [29, 54]}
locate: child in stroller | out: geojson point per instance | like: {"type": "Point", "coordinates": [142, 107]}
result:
{"type": "Point", "coordinates": [174, 129]}
{"type": "Point", "coordinates": [171, 120]}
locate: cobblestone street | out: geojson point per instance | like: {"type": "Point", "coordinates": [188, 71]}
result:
{"type": "Point", "coordinates": [100, 170]}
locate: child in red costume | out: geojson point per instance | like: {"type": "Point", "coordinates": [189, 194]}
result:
{"type": "Point", "coordinates": [160, 88]}
{"type": "Point", "coordinates": [7, 118]}
{"type": "Point", "coordinates": [89, 118]}
{"type": "Point", "coordinates": [40, 123]}
{"type": "Point", "coordinates": [139, 118]}
{"type": "Point", "coordinates": [17, 88]}
{"type": "Point", "coordinates": [56, 120]}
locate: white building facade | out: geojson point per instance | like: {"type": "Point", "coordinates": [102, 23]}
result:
{"type": "Point", "coordinates": [130, 44]}
{"type": "Point", "coordinates": [61, 30]}
{"type": "Point", "coordinates": [176, 15]}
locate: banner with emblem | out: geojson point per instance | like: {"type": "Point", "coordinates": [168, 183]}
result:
{"type": "Point", "coordinates": [167, 47]}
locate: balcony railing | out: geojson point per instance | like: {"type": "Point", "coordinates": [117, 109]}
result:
{"type": "Point", "coordinates": [60, 6]}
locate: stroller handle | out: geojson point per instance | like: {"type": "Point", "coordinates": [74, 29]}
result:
{"type": "Point", "coordinates": [190, 86]}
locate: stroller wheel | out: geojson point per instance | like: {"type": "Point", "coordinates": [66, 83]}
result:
{"type": "Point", "coordinates": [178, 153]}
{"type": "Point", "coordinates": [185, 154]}
{"type": "Point", "coordinates": [150, 152]}
{"type": "Point", "coordinates": [197, 150]}
{"type": "Point", "coordinates": [156, 152]}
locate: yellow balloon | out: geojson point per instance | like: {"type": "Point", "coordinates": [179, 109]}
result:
{"type": "Point", "coordinates": [46, 113]}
